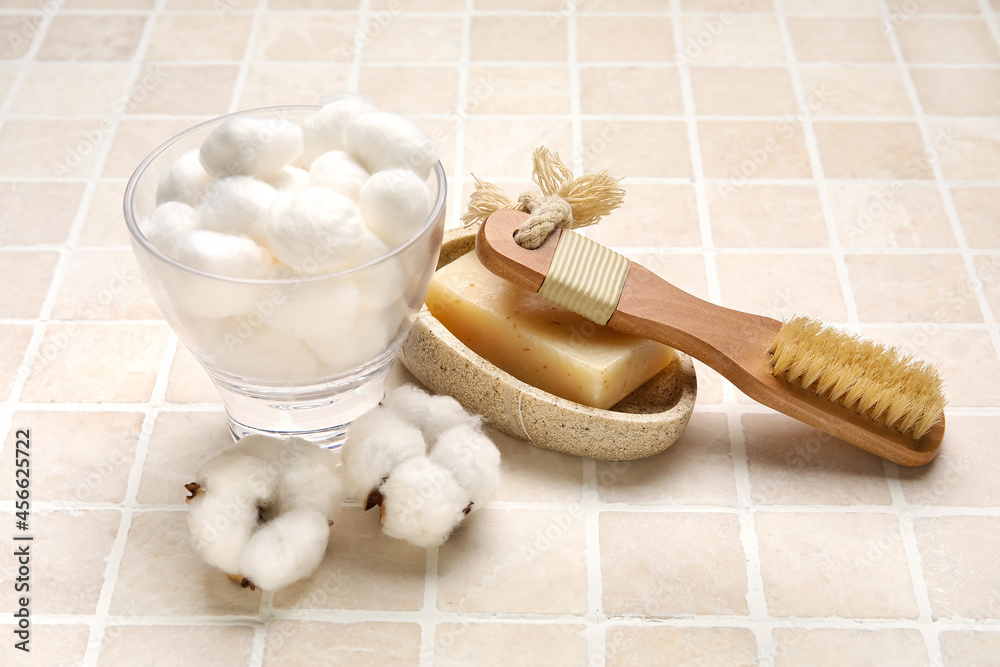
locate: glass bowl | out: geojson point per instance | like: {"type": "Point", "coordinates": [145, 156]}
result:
{"type": "Point", "coordinates": [290, 355]}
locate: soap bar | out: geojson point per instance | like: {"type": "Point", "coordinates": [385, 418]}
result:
{"type": "Point", "coordinates": [538, 342]}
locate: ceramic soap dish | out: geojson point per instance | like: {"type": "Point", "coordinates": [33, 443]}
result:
{"type": "Point", "coordinates": [644, 423]}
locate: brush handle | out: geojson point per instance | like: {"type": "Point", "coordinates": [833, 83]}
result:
{"type": "Point", "coordinates": [734, 343]}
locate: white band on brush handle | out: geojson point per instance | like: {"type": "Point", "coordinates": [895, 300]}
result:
{"type": "Point", "coordinates": [585, 277]}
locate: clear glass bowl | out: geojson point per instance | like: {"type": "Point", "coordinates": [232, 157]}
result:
{"type": "Point", "coordinates": [290, 356]}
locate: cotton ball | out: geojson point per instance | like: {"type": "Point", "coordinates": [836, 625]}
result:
{"type": "Point", "coordinates": [185, 180]}
{"type": "Point", "coordinates": [338, 171]}
{"type": "Point", "coordinates": [383, 283]}
{"type": "Point", "coordinates": [376, 443]}
{"type": "Point", "coordinates": [318, 309]}
{"type": "Point", "coordinates": [315, 230]}
{"type": "Point", "coordinates": [244, 146]}
{"type": "Point", "coordinates": [220, 527]}
{"type": "Point", "coordinates": [309, 479]}
{"type": "Point", "coordinates": [167, 223]}
{"type": "Point", "coordinates": [238, 205]}
{"type": "Point", "coordinates": [262, 353]}
{"type": "Point", "coordinates": [394, 204]}
{"type": "Point", "coordinates": [472, 459]}
{"type": "Point", "coordinates": [432, 414]}
{"type": "Point", "coordinates": [382, 140]}
{"type": "Point", "coordinates": [422, 503]}
{"type": "Point", "coordinates": [288, 179]}
{"type": "Point", "coordinates": [372, 333]}
{"type": "Point", "coordinates": [221, 255]}
{"type": "Point", "coordinates": [286, 549]}
{"type": "Point", "coordinates": [324, 130]}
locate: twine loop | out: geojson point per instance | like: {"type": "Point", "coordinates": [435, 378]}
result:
{"type": "Point", "coordinates": [563, 201]}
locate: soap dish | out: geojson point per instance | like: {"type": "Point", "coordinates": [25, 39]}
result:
{"type": "Point", "coordinates": [644, 423]}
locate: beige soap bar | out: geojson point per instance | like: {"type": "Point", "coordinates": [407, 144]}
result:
{"type": "Point", "coordinates": [538, 342]}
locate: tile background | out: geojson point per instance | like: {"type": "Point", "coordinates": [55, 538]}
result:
{"type": "Point", "coordinates": [833, 157]}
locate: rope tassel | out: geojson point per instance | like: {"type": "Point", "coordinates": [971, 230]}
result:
{"type": "Point", "coordinates": [563, 201]}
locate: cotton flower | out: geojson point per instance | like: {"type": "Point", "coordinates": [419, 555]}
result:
{"type": "Point", "coordinates": [261, 510]}
{"type": "Point", "coordinates": [424, 461]}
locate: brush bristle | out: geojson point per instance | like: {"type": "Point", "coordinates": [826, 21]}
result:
{"type": "Point", "coordinates": [874, 380]}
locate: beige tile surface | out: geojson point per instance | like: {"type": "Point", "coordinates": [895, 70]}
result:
{"type": "Point", "coordinates": [695, 470]}
{"type": "Point", "coordinates": [926, 288]}
{"type": "Point", "coordinates": [850, 565]}
{"type": "Point", "coordinates": [230, 645]}
{"type": "Point", "coordinates": [711, 647]}
{"type": "Point", "coordinates": [959, 556]}
{"type": "Point", "coordinates": [498, 645]}
{"type": "Point", "coordinates": [742, 150]}
{"type": "Point", "coordinates": [673, 564]}
{"type": "Point", "coordinates": [892, 215]}
{"type": "Point", "coordinates": [511, 561]}
{"type": "Point", "coordinates": [37, 213]}
{"type": "Point", "coordinates": [83, 457]}
{"type": "Point", "coordinates": [370, 644]}
{"type": "Point", "coordinates": [838, 158]}
{"type": "Point", "coordinates": [29, 273]}
{"type": "Point", "coordinates": [855, 647]}
{"type": "Point", "coordinates": [767, 215]}
{"type": "Point", "coordinates": [652, 215]}
{"type": "Point", "coordinates": [793, 464]}
{"type": "Point", "coordinates": [66, 576]}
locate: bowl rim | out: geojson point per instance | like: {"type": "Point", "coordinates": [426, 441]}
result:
{"type": "Point", "coordinates": [437, 209]}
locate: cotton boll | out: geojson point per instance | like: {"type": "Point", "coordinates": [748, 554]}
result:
{"type": "Point", "coordinates": [309, 479]}
{"type": "Point", "coordinates": [338, 171]}
{"type": "Point", "coordinates": [221, 526]}
{"type": "Point", "coordinates": [286, 549]}
{"type": "Point", "coordinates": [383, 284]}
{"type": "Point", "coordinates": [382, 140]}
{"type": "Point", "coordinates": [238, 205]}
{"type": "Point", "coordinates": [315, 230]}
{"type": "Point", "coordinates": [376, 443]}
{"type": "Point", "coordinates": [472, 459]}
{"type": "Point", "coordinates": [394, 204]}
{"type": "Point", "coordinates": [432, 414]}
{"type": "Point", "coordinates": [422, 503]}
{"type": "Point", "coordinates": [167, 223]}
{"type": "Point", "coordinates": [262, 353]}
{"type": "Point", "coordinates": [245, 146]}
{"type": "Point", "coordinates": [324, 130]}
{"type": "Point", "coordinates": [289, 178]}
{"type": "Point", "coordinates": [185, 180]}
{"type": "Point", "coordinates": [237, 473]}
{"type": "Point", "coordinates": [221, 255]}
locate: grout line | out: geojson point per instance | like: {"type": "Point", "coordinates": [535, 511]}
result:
{"type": "Point", "coordinates": [360, 44]}
{"type": "Point", "coordinates": [248, 59]}
{"type": "Point", "coordinates": [461, 115]}
{"type": "Point", "coordinates": [907, 534]}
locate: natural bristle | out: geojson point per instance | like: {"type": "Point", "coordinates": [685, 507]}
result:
{"type": "Point", "coordinates": [874, 380]}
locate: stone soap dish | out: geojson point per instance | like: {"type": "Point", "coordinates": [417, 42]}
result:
{"type": "Point", "coordinates": [644, 423]}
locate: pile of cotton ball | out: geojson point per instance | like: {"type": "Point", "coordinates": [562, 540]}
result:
{"type": "Point", "coordinates": [261, 511]}
{"type": "Point", "coordinates": [424, 461]}
{"type": "Point", "coordinates": [271, 198]}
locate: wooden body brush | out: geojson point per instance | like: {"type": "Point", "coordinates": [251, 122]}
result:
{"type": "Point", "coordinates": [859, 391]}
